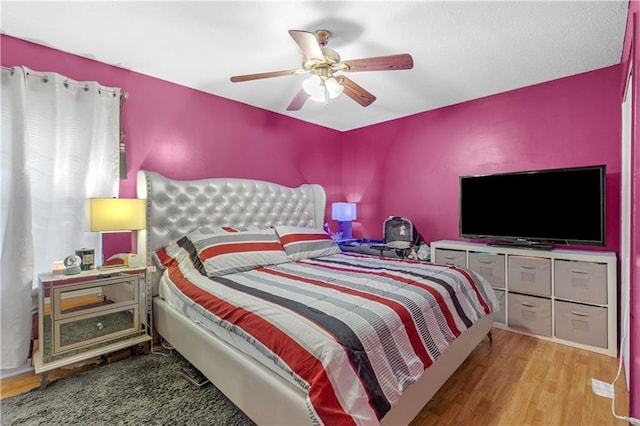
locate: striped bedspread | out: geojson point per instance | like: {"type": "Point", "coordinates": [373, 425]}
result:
{"type": "Point", "coordinates": [352, 331]}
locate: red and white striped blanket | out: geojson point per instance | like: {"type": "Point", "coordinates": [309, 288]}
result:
{"type": "Point", "coordinates": [352, 331]}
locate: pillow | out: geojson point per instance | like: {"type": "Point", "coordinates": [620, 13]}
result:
{"type": "Point", "coordinates": [306, 243]}
{"type": "Point", "coordinates": [116, 259]}
{"type": "Point", "coordinates": [226, 250]}
{"type": "Point", "coordinates": [180, 253]}
{"type": "Point", "coordinates": [130, 260]}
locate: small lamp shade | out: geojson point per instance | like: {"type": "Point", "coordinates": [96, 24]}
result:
{"type": "Point", "coordinates": [344, 213]}
{"type": "Point", "coordinates": [115, 214]}
{"type": "Point", "coordinates": [316, 90]}
{"type": "Point", "coordinates": [333, 87]}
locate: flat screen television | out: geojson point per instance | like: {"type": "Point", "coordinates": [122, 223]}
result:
{"type": "Point", "coordinates": [535, 208]}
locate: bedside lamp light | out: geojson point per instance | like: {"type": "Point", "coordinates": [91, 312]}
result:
{"type": "Point", "coordinates": [115, 215]}
{"type": "Point", "coordinates": [344, 213]}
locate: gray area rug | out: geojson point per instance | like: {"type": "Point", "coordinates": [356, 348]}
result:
{"type": "Point", "coordinates": [147, 389]}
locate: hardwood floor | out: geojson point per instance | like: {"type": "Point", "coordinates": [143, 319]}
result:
{"type": "Point", "coordinates": [25, 382]}
{"type": "Point", "coordinates": [517, 380]}
{"type": "Point", "coordinates": [521, 380]}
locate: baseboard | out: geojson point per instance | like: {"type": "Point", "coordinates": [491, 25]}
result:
{"type": "Point", "coordinates": [11, 372]}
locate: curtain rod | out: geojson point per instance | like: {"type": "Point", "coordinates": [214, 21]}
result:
{"type": "Point", "coordinates": [45, 78]}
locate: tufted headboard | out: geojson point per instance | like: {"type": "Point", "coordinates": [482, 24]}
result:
{"type": "Point", "coordinates": [176, 207]}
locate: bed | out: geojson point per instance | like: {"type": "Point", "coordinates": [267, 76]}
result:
{"type": "Point", "coordinates": [341, 380]}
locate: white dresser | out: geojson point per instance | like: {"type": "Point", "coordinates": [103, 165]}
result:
{"type": "Point", "coordinates": [566, 296]}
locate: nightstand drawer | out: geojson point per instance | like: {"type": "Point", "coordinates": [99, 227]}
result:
{"type": "Point", "coordinates": [530, 314]}
{"type": "Point", "coordinates": [94, 296]}
{"type": "Point", "coordinates": [490, 266]}
{"type": "Point", "coordinates": [77, 332]}
{"type": "Point", "coordinates": [451, 257]}
{"type": "Point", "coordinates": [581, 281]}
{"type": "Point", "coordinates": [529, 275]}
{"type": "Point", "coordinates": [581, 323]}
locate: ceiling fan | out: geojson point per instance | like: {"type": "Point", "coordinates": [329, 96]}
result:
{"type": "Point", "coordinates": [323, 63]}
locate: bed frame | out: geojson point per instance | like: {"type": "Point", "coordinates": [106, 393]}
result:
{"type": "Point", "coordinates": [175, 208]}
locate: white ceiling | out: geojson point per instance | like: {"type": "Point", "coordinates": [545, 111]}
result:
{"type": "Point", "coordinates": [461, 50]}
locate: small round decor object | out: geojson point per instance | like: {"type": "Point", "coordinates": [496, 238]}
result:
{"type": "Point", "coordinates": [72, 264]}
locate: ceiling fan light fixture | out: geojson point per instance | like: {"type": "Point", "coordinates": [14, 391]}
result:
{"type": "Point", "coordinates": [333, 87]}
{"type": "Point", "coordinates": [315, 89]}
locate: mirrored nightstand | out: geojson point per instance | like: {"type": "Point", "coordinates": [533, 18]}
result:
{"type": "Point", "coordinates": [89, 314]}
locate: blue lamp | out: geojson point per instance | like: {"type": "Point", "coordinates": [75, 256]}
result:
{"type": "Point", "coordinates": [344, 213]}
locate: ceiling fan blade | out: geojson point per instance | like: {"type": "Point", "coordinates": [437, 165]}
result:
{"type": "Point", "coordinates": [308, 43]}
{"type": "Point", "coordinates": [403, 61]}
{"type": "Point", "coordinates": [356, 92]}
{"type": "Point", "coordinates": [248, 77]}
{"type": "Point", "coordinates": [298, 101]}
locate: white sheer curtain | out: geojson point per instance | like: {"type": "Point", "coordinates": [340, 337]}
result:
{"type": "Point", "coordinates": [59, 146]}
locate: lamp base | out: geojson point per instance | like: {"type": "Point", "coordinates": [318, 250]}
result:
{"type": "Point", "coordinates": [345, 228]}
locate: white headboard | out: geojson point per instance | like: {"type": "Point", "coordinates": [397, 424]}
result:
{"type": "Point", "coordinates": [176, 207]}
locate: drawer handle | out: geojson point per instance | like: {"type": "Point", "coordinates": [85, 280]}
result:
{"type": "Point", "coordinates": [579, 272]}
{"type": "Point", "coordinates": [486, 262]}
{"type": "Point", "coordinates": [528, 267]}
{"type": "Point", "coordinates": [580, 314]}
{"type": "Point", "coordinates": [528, 305]}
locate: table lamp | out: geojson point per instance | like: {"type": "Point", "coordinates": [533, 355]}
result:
{"type": "Point", "coordinates": [115, 215]}
{"type": "Point", "coordinates": [344, 213]}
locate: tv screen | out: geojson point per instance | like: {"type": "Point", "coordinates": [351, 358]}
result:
{"type": "Point", "coordinates": [554, 206]}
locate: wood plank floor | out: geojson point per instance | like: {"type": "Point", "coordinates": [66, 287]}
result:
{"type": "Point", "coordinates": [521, 380]}
{"type": "Point", "coordinates": [516, 381]}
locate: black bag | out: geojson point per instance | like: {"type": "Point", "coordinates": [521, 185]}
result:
{"type": "Point", "coordinates": [400, 232]}
{"type": "Point", "coordinates": [401, 238]}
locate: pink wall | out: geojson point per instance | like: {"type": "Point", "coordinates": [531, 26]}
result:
{"type": "Point", "coordinates": [410, 167]}
{"type": "Point", "coordinates": [188, 134]}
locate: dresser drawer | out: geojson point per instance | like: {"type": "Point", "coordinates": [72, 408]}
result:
{"type": "Point", "coordinates": [530, 314]}
{"type": "Point", "coordinates": [529, 275]}
{"type": "Point", "coordinates": [451, 257]}
{"type": "Point", "coordinates": [490, 266]}
{"type": "Point", "coordinates": [581, 323]}
{"type": "Point", "coordinates": [581, 281]}
{"type": "Point", "coordinates": [500, 316]}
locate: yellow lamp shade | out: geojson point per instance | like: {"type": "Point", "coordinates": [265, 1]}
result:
{"type": "Point", "coordinates": [115, 214]}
